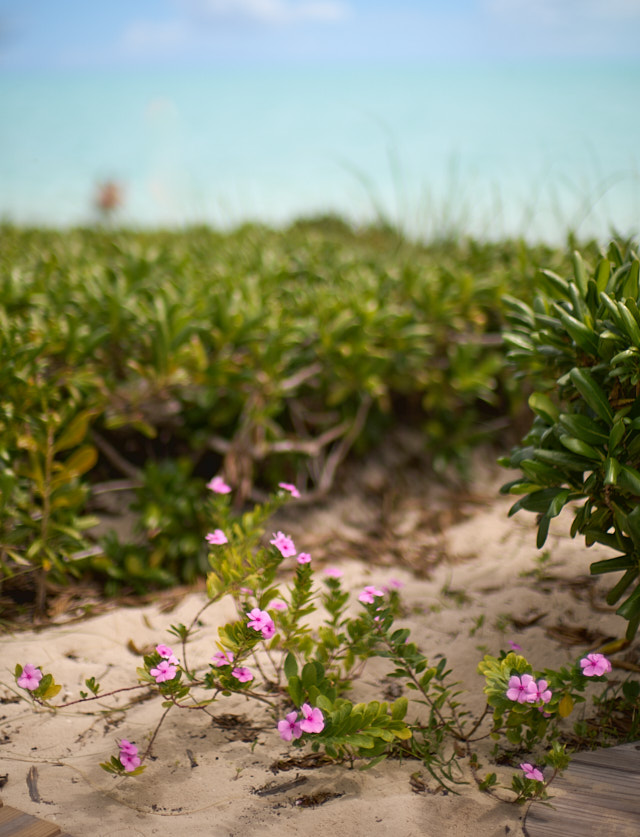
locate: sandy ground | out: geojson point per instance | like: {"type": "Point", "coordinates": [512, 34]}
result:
{"type": "Point", "coordinates": [472, 580]}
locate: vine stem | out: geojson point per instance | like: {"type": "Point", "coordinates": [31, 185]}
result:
{"type": "Point", "coordinates": [95, 697]}
{"type": "Point", "coordinates": [147, 752]}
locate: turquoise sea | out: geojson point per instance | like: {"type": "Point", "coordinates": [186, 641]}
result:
{"type": "Point", "coordinates": [487, 149]}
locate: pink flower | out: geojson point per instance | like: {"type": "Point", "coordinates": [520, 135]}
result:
{"type": "Point", "coordinates": [333, 572]}
{"type": "Point", "coordinates": [542, 692]}
{"type": "Point", "coordinates": [532, 772]}
{"type": "Point", "coordinates": [242, 674]}
{"type": "Point", "coordinates": [218, 486]}
{"type": "Point", "coordinates": [30, 678]}
{"type": "Point", "coordinates": [129, 758]}
{"type": "Point", "coordinates": [514, 646]}
{"type": "Point", "coordinates": [304, 558]}
{"type": "Point", "coordinates": [167, 653]}
{"type": "Point", "coordinates": [313, 720]}
{"type": "Point", "coordinates": [268, 630]}
{"type": "Point", "coordinates": [523, 689]}
{"type": "Point", "coordinates": [395, 584]}
{"type": "Point", "coordinates": [261, 621]}
{"type": "Point", "coordinates": [368, 594]}
{"type": "Point", "coordinates": [164, 671]}
{"type": "Point", "coordinates": [595, 665]}
{"type": "Point", "coordinates": [278, 604]}
{"type": "Point", "coordinates": [284, 544]}
{"type": "Point", "coordinates": [246, 591]}
{"type": "Point", "coordinates": [290, 727]}
{"type": "Point", "coordinates": [291, 489]}
{"type": "Point", "coordinates": [216, 537]}
{"type": "Point", "coordinates": [128, 747]}
{"type": "Point", "coordinates": [222, 658]}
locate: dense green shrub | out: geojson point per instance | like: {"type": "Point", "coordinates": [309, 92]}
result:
{"type": "Point", "coordinates": [262, 354]}
{"type": "Point", "coordinates": [580, 343]}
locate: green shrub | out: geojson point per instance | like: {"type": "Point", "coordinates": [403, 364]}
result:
{"type": "Point", "coordinates": [264, 355]}
{"type": "Point", "coordinates": [580, 344]}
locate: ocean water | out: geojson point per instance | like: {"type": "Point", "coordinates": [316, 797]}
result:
{"type": "Point", "coordinates": [491, 150]}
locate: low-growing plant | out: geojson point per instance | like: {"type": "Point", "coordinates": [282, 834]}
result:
{"type": "Point", "coordinates": [580, 343]}
{"type": "Point", "coordinates": [306, 677]}
{"type": "Point", "coordinates": [274, 353]}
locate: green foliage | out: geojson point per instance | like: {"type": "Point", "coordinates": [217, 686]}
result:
{"type": "Point", "coordinates": [274, 352]}
{"type": "Point", "coordinates": [579, 343]}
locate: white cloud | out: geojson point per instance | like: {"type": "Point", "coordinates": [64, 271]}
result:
{"type": "Point", "coordinates": [268, 11]}
{"type": "Point", "coordinates": [564, 11]}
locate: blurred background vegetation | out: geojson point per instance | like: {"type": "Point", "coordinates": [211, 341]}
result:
{"type": "Point", "coordinates": [146, 362]}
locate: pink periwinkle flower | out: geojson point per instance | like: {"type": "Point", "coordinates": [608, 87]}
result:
{"type": "Point", "coordinates": [304, 558]}
{"type": "Point", "coordinates": [217, 537]}
{"type": "Point", "coordinates": [278, 604]}
{"type": "Point", "coordinates": [532, 772]}
{"type": "Point", "coordinates": [395, 584]}
{"type": "Point", "coordinates": [290, 727]}
{"type": "Point", "coordinates": [542, 692]}
{"type": "Point", "coordinates": [514, 646]}
{"type": "Point", "coordinates": [369, 594]}
{"type": "Point", "coordinates": [312, 720]}
{"type": "Point", "coordinates": [283, 544]}
{"type": "Point", "coordinates": [218, 486]}
{"type": "Point", "coordinates": [268, 631]}
{"type": "Point", "coordinates": [222, 658]}
{"type": "Point", "coordinates": [287, 486]}
{"type": "Point", "coordinates": [30, 678]}
{"type": "Point", "coordinates": [523, 689]}
{"type": "Point", "coordinates": [595, 665]}
{"type": "Point", "coordinates": [129, 758]}
{"type": "Point", "coordinates": [333, 572]}
{"type": "Point", "coordinates": [167, 653]}
{"type": "Point", "coordinates": [260, 620]}
{"type": "Point", "coordinates": [244, 675]}
{"type": "Point", "coordinates": [127, 747]}
{"type": "Point", "coordinates": [164, 671]}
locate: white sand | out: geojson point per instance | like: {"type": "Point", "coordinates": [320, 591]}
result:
{"type": "Point", "coordinates": [487, 556]}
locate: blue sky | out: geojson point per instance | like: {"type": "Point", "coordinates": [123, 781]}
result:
{"type": "Point", "coordinates": [81, 34]}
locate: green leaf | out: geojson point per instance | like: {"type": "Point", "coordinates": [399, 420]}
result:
{"type": "Point", "coordinates": [611, 470]}
{"type": "Point", "coordinates": [581, 334]}
{"type": "Point", "coordinates": [295, 690]}
{"type": "Point", "coordinates": [359, 740]}
{"type": "Point", "coordinates": [557, 284]}
{"type": "Point", "coordinates": [290, 666]}
{"type": "Point", "coordinates": [544, 407]}
{"type": "Point", "coordinates": [399, 708]}
{"type": "Point", "coordinates": [309, 675]}
{"type": "Point", "coordinates": [583, 427]}
{"type": "Point", "coordinates": [630, 324]}
{"type": "Point", "coordinates": [631, 607]}
{"type": "Point", "coordinates": [623, 584]}
{"type": "Point", "coordinates": [539, 501]}
{"type": "Point", "coordinates": [323, 703]}
{"type": "Point", "coordinates": [563, 460]}
{"type": "Point", "coordinates": [543, 531]}
{"type": "Point", "coordinates": [620, 563]}
{"type": "Point", "coordinates": [579, 272]}
{"type": "Point", "coordinates": [603, 271]}
{"type": "Point", "coordinates": [75, 432]}
{"type": "Point", "coordinates": [630, 287]}
{"type": "Point", "coordinates": [616, 435]}
{"type": "Point", "coordinates": [80, 462]}
{"type": "Point", "coordinates": [580, 447]}
{"type": "Point", "coordinates": [592, 393]}
{"type": "Point", "coordinates": [629, 479]}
